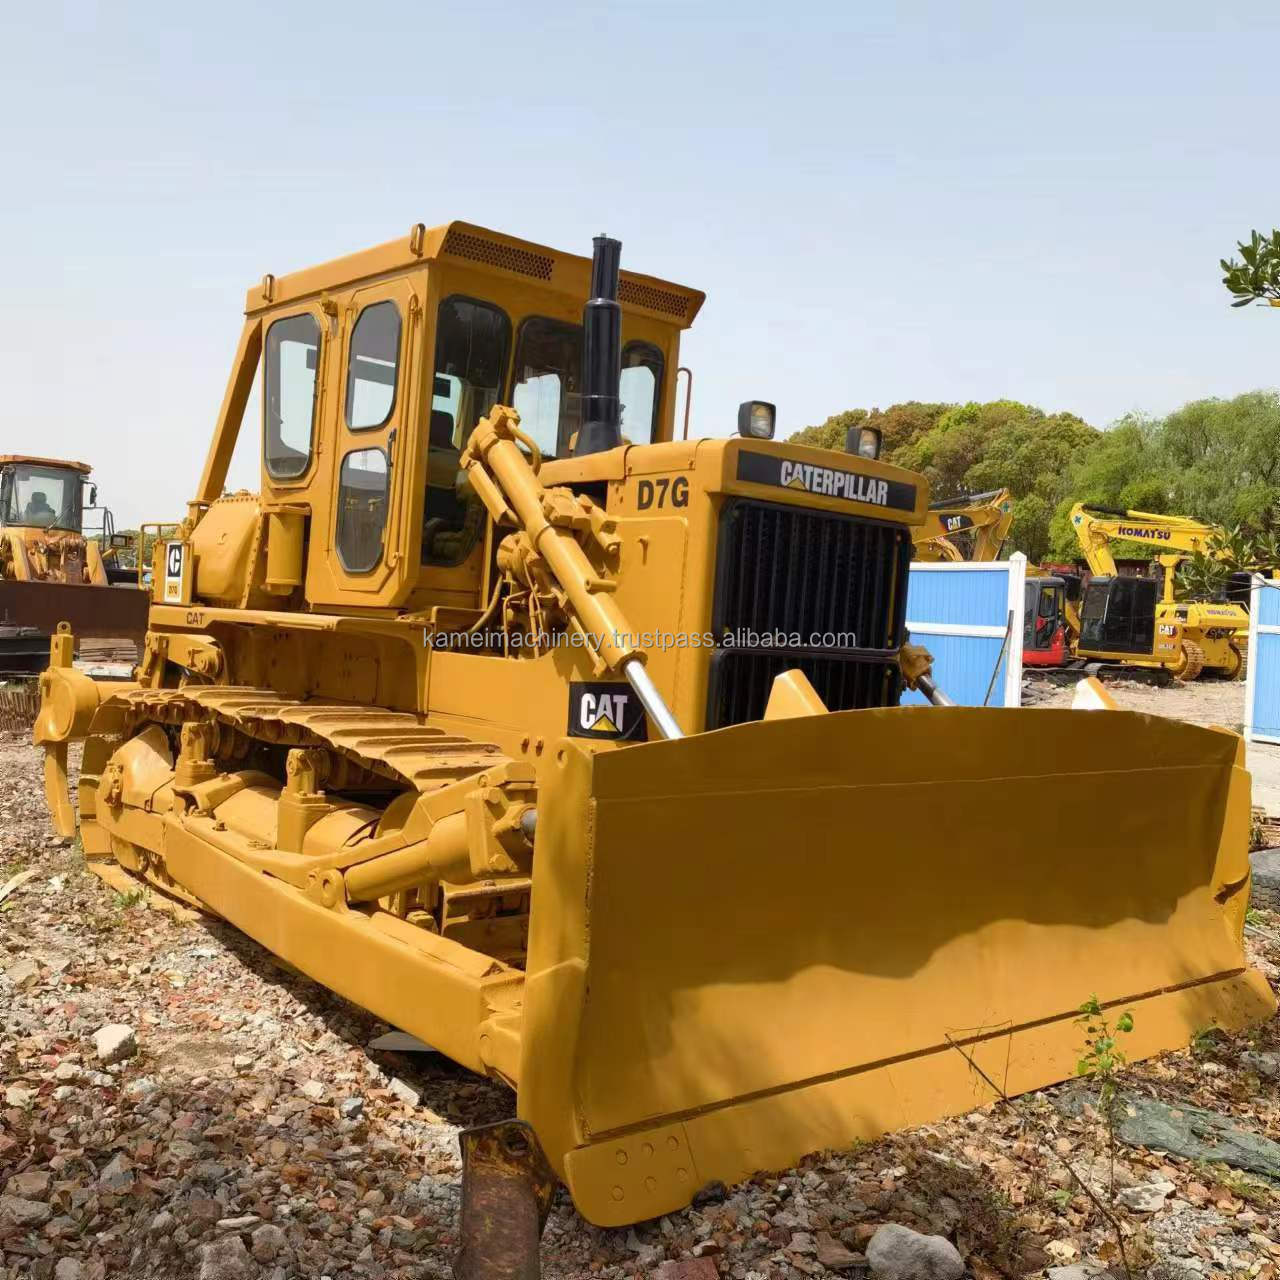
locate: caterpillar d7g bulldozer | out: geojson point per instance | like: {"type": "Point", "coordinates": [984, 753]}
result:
{"type": "Point", "coordinates": [575, 750]}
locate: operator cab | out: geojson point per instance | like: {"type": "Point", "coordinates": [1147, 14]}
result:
{"type": "Point", "coordinates": [1044, 635]}
{"type": "Point", "coordinates": [40, 493]}
{"type": "Point", "coordinates": [1119, 616]}
{"type": "Point", "coordinates": [376, 370]}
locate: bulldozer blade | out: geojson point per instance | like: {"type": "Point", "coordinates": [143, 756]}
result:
{"type": "Point", "coordinates": [789, 935]}
{"type": "Point", "coordinates": [92, 611]}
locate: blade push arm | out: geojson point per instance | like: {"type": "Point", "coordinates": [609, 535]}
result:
{"type": "Point", "coordinates": [546, 551]}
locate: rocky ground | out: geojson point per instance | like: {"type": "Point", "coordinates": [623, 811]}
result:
{"type": "Point", "coordinates": [175, 1103]}
{"type": "Point", "coordinates": [1204, 701]}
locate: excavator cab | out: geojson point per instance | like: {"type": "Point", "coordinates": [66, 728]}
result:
{"type": "Point", "coordinates": [1044, 635]}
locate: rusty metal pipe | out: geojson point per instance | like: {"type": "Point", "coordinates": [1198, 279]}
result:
{"type": "Point", "coordinates": [507, 1186]}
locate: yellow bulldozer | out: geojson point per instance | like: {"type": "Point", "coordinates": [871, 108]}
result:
{"type": "Point", "coordinates": [575, 750]}
{"type": "Point", "coordinates": [1140, 621]}
{"type": "Point", "coordinates": [51, 568]}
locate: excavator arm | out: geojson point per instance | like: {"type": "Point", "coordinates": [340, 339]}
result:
{"type": "Point", "coordinates": [985, 517]}
{"type": "Point", "coordinates": [1097, 528]}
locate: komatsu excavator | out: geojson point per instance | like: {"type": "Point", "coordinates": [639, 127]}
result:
{"type": "Point", "coordinates": [982, 520]}
{"type": "Point", "coordinates": [1123, 619]}
{"type": "Point", "coordinates": [575, 750]}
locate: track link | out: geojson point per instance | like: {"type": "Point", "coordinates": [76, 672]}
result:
{"type": "Point", "coordinates": [396, 745]}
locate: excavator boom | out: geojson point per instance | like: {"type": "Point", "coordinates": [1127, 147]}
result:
{"type": "Point", "coordinates": [980, 520]}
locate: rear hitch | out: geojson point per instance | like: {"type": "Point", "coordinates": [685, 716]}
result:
{"type": "Point", "coordinates": [507, 1188]}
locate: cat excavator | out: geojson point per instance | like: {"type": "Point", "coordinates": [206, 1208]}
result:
{"type": "Point", "coordinates": [575, 750]}
{"type": "Point", "coordinates": [980, 521]}
{"type": "Point", "coordinates": [1140, 622]}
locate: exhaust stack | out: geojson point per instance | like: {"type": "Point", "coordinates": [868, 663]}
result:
{"type": "Point", "coordinates": [602, 353]}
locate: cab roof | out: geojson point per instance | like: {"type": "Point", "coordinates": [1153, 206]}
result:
{"type": "Point", "coordinates": [7, 459]}
{"type": "Point", "coordinates": [504, 256]}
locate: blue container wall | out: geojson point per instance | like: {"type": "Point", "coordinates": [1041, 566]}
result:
{"type": "Point", "coordinates": [962, 665]}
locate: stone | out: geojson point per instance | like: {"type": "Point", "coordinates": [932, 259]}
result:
{"type": "Point", "coordinates": [1077, 1271]}
{"type": "Point", "coordinates": [65, 1071]}
{"type": "Point", "coordinates": [204, 1209]}
{"type": "Point", "coordinates": [898, 1253]}
{"type": "Point", "coordinates": [313, 1089]}
{"type": "Point", "coordinates": [1190, 1132]}
{"type": "Point", "coordinates": [16, 1096]}
{"type": "Point", "coordinates": [405, 1091]}
{"type": "Point", "coordinates": [117, 1175]}
{"type": "Point", "coordinates": [351, 1108]}
{"type": "Point", "coordinates": [115, 1042]}
{"type": "Point", "coordinates": [22, 1212]}
{"type": "Point", "coordinates": [24, 972]}
{"type": "Point", "coordinates": [243, 1061]}
{"type": "Point", "coordinates": [32, 1185]}
{"type": "Point", "coordinates": [686, 1269]}
{"type": "Point", "coordinates": [67, 1269]}
{"type": "Point", "coordinates": [831, 1253]}
{"type": "Point", "coordinates": [267, 1242]}
{"type": "Point", "coordinates": [241, 1223]}
{"type": "Point", "coordinates": [1265, 1065]}
{"type": "Point", "coordinates": [162, 1224]}
{"type": "Point", "coordinates": [226, 1259]}
{"type": "Point", "coordinates": [1146, 1197]}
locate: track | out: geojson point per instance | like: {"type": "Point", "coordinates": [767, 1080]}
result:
{"type": "Point", "coordinates": [394, 745]}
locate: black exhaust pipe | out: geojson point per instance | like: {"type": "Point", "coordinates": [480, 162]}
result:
{"type": "Point", "coordinates": [602, 353]}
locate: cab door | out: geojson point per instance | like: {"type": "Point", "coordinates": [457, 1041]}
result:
{"type": "Point", "coordinates": [361, 556]}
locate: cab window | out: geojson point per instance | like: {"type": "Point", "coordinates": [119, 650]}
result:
{"type": "Point", "coordinates": [548, 383]}
{"type": "Point", "coordinates": [472, 342]}
{"type": "Point", "coordinates": [638, 389]}
{"type": "Point", "coordinates": [362, 509]}
{"type": "Point", "coordinates": [289, 399]}
{"type": "Point", "coordinates": [372, 365]}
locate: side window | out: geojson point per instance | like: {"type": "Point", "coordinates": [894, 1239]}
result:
{"type": "Point", "coordinates": [472, 343]}
{"type": "Point", "coordinates": [289, 399]}
{"type": "Point", "coordinates": [548, 383]}
{"type": "Point", "coordinates": [362, 509]}
{"type": "Point", "coordinates": [639, 390]}
{"type": "Point", "coordinates": [372, 365]}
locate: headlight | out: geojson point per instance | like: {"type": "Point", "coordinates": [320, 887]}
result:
{"type": "Point", "coordinates": [864, 441]}
{"type": "Point", "coordinates": [756, 419]}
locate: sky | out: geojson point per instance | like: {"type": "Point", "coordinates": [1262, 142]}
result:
{"type": "Point", "coordinates": [931, 201]}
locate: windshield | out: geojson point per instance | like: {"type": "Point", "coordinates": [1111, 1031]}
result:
{"type": "Point", "coordinates": [43, 497]}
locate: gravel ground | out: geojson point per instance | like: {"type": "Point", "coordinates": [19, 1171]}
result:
{"type": "Point", "coordinates": [1207, 702]}
{"type": "Point", "coordinates": [253, 1135]}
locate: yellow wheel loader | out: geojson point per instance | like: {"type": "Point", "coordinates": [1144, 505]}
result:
{"type": "Point", "coordinates": [575, 750]}
{"type": "Point", "coordinates": [1134, 620]}
{"type": "Point", "coordinates": [50, 571]}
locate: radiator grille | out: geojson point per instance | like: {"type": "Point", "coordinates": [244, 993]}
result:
{"type": "Point", "coordinates": [839, 582]}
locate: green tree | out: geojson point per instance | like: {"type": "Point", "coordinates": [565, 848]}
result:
{"type": "Point", "coordinates": [830, 434]}
{"type": "Point", "coordinates": [1256, 276]}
